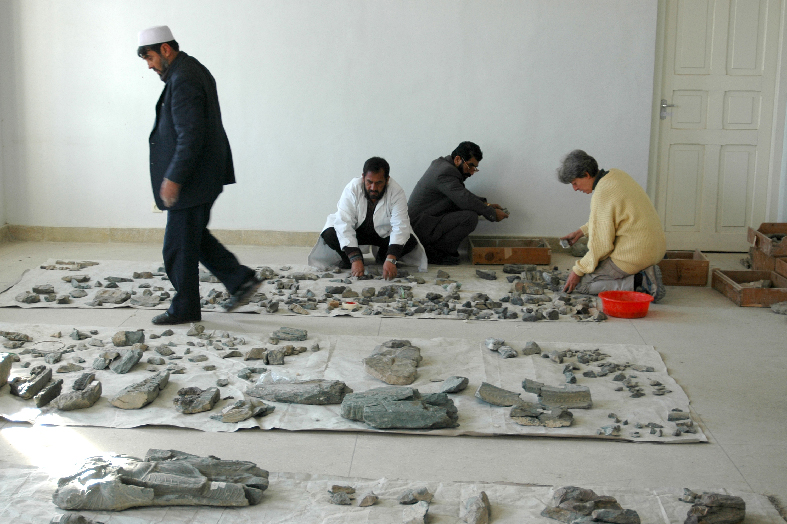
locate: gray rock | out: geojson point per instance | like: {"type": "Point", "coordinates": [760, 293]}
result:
{"type": "Point", "coordinates": [506, 352]}
{"type": "Point", "coordinates": [442, 275]}
{"type": "Point", "coordinates": [242, 410]}
{"type": "Point", "coordinates": [78, 293]}
{"type": "Point", "coordinates": [579, 249]}
{"type": "Point", "coordinates": [340, 498]}
{"type": "Point", "coordinates": [142, 393]}
{"type": "Point", "coordinates": [571, 396]}
{"type": "Point", "coordinates": [454, 384]}
{"type": "Point", "coordinates": [716, 508]}
{"type": "Point", "coordinates": [531, 348]}
{"type": "Point", "coordinates": [156, 361]}
{"type": "Point", "coordinates": [128, 338]}
{"type": "Point", "coordinates": [617, 516]}
{"type": "Point", "coordinates": [314, 392]}
{"type": "Point", "coordinates": [486, 274]}
{"type": "Point", "coordinates": [163, 478]}
{"type": "Point", "coordinates": [400, 407]}
{"type": "Point", "coordinates": [195, 330]}
{"type": "Point", "coordinates": [28, 298]}
{"type": "Point", "coordinates": [49, 392]}
{"type": "Point", "coordinates": [394, 362]}
{"type": "Point", "coordinates": [290, 334]}
{"type": "Point", "coordinates": [477, 509]}
{"type": "Point", "coordinates": [411, 496]}
{"type": "Point", "coordinates": [72, 518]}
{"type": "Point", "coordinates": [195, 400]}
{"type": "Point", "coordinates": [83, 381]}
{"type": "Point", "coordinates": [780, 308]}
{"type": "Point", "coordinates": [28, 386]}
{"type": "Point", "coordinates": [335, 290]}
{"type": "Point", "coordinates": [275, 357]}
{"type": "Point", "coordinates": [78, 399]}
{"type": "Point", "coordinates": [44, 289]}
{"type": "Point", "coordinates": [6, 361]}
{"type": "Point", "coordinates": [110, 296]}
{"type": "Point", "coordinates": [497, 396]}
{"type": "Point", "coordinates": [368, 499]}
{"type": "Point", "coordinates": [493, 344]}
{"type": "Point", "coordinates": [415, 514]}
{"type": "Point", "coordinates": [128, 359]}
{"type": "Point", "coordinates": [69, 368]}
{"type": "Point", "coordinates": [571, 504]}
{"type": "Point", "coordinates": [535, 415]}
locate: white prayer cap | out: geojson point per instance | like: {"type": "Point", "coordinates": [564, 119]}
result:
{"type": "Point", "coordinates": [155, 35]}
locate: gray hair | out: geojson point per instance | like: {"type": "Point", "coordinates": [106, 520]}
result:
{"type": "Point", "coordinates": [575, 165]}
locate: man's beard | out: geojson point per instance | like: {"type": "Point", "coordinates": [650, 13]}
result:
{"type": "Point", "coordinates": [164, 66]}
{"type": "Point", "coordinates": [378, 194]}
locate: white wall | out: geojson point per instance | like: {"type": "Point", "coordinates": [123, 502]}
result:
{"type": "Point", "coordinates": [310, 89]}
{"type": "Point", "coordinates": [5, 43]}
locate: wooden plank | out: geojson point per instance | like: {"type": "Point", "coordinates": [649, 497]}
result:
{"type": "Point", "coordinates": [760, 261]}
{"type": "Point", "coordinates": [780, 266]}
{"type": "Point", "coordinates": [729, 284]}
{"type": "Point", "coordinates": [510, 251]}
{"type": "Point", "coordinates": [684, 268]}
{"type": "Point", "coordinates": [759, 238]}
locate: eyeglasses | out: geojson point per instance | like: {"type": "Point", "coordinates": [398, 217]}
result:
{"type": "Point", "coordinates": [471, 167]}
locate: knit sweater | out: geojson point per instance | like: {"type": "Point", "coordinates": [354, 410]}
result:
{"type": "Point", "coordinates": [623, 226]}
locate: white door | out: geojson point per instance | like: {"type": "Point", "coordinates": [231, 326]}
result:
{"type": "Point", "coordinates": [719, 76]}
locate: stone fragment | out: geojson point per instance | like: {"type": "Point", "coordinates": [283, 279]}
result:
{"type": "Point", "coordinates": [616, 516]}
{"type": "Point", "coordinates": [535, 415]}
{"type": "Point", "coordinates": [368, 499]}
{"type": "Point", "coordinates": [128, 338]}
{"type": "Point", "coordinates": [416, 514]}
{"type": "Point", "coordinates": [486, 274]}
{"type": "Point", "coordinates": [571, 504]}
{"type": "Point", "coordinates": [400, 407]}
{"type": "Point", "coordinates": [156, 361]}
{"type": "Point", "coordinates": [454, 384]}
{"type": "Point", "coordinates": [128, 359]}
{"type": "Point", "coordinates": [411, 496]}
{"type": "Point", "coordinates": [531, 348]}
{"type": "Point", "coordinates": [72, 518]}
{"type": "Point", "coordinates": [49, 392]}
{"type": "Point", "coordinates": [290, 334]}
{"type": "Point", "coordinates": [142, 393]}
{"type": "Point", "coordinates": [674, 416]}
{"type": "Point", "coordinates": [163, 478]}
{"type": "Point", "coordinates": [79, 293]}
{"type": "Point", "coordinates": [275, 356]}
{"type": "Point", "coordinates": [242, 410]}
{"type": "Point", "coordinates": [394, 362]}
{"type": "Point", "coordinates": [340, 498]}
{"type": "Point", "coordinates": [6, 360]}
{"type": "Point", "coordinates": [44, 289]}
{"type": "Point", "coordinates": [63, 299]}
{"type": "Point", "coordinates": [780, 308]}
{"type": "Point", "coordinates": [571, 396]}
{"type": "Point", "coordinates": [314, 392]}
{"type": "Point", "coordinates": [16, 336]}
{"type": "Point", "coordinates": [497, 396]}
{"type": "Point", "coordinates": [716, 508]}
{"type": "Point", "coordinates": [477, 509]}
{"type": "Point", "coordinates": [195, 330]}
{"type": "Point", "coordinates": [195, 400]}
{"type": "Point", "coordinates": [110, 296]}
{"type": "Point", "coordinates": [83, 381]}
{"type": "Point", "coordinates": [506, 352]}
{"type": "Point", "coordinates": [78, 399]}
{"type": "Point", "coordinates": [493, 344]}
{"type": "Point", "coordinates": [28, 386]}
{"type": "Point", "coordinates": [69, 368]}
{"type": "Point", "coordinates": [28, 298]}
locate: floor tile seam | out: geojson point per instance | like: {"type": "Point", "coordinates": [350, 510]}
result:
{"type": "Point", "coordinates": [352, 456]}
{"type": "Point", "coordinates": [710, 434]}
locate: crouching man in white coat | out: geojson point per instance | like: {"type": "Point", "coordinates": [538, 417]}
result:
{"type": "Point", "coordinates": [372, 211]}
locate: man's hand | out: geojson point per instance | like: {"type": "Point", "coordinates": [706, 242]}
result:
{"type": "Point", "coordinates": [357, 268]}
{"type": "Point", "coordinates": [571, 282]}
{"type": "Point", "coordinates": [389, 269]}
{"type": "Point", "coordinates": [169, 193]}
{"type": "Point", "coordinates": [499, 213]}
{"type": "Point", "coordinates": [573, 237]}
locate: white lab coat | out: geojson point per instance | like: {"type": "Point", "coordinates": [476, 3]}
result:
{"type": "Point", "coordinates": [390, 220]}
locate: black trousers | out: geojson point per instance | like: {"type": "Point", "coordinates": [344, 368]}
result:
{"type": "Point", "coordinates": [442, 235]}
{"type": "Point", "coordinates": [187, 242]}
{"type": "Point", "coordinates": [332, 240]}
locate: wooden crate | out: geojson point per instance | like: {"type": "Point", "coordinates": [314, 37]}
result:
{"type": "Point", "coordinates": [729, 284]}
{"type": "Point", "coordinates": [684, 268]}
{"type": "Point", "coordinates": [780, 266]}
{"type": "Point", "coordinates": [760, 261]}
{"type": "Point", "coordinates": [510, 251]}
{"type": "Point", "coordinates": [759, 238]}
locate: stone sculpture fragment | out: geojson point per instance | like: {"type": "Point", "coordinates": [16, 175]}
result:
{"type": "Point", "coordinates": [6, 360]}
{"type": "Point", "coordinates": [80, 398]}
{"type": "Point", "coordinates": [394, 362]}
{"type": "Point", "coordinates": [416, 514]}
{"type": "Point", "coordinates": [48, 393]}
{"type": "Point", "coordinates": [716, 508]}
{"type": "Point", "coordinates": [128, 359]}
{"type": "Point", "coordinates": [528, 414]}
{"type": "Point", "coordinates": [497, 396]}
{"type": "Point", "coordinates": [454, 384]}
{"type": "Point", "coordinates": [242, 410]}
{"type": "Point", "coordinates": [26, 387]}
{"type": "Point", "coordinates": [141, 394]}
{"type": "Point", "coordinates": [195, 400]}
{"type": "Point", "coordinates": [477, 509]}
{"type": "Point", "coordinates": [571, 504]}
{"type": "Point", "coordinates": [400, 407]}
{"type": "Point", "coordinates": [162, 478]}
{"type": "Point", "coordinates": [314, 392]}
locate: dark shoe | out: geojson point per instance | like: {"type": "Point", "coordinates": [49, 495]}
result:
{"type": "Point", "coordinates": [242, 296]}
{"type": "Point", "coordinates": [165, 319]}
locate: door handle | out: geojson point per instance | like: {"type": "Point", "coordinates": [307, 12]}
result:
{"type": "Point", "coordinates": [664, 105]}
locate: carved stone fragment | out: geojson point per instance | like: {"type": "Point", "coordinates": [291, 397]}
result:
{"type": "Point", "coordinates": [195, 400]}
{"type": "Point", "coordinates": [477, 509]}
{"type": "Point", "coordinates": [497, 396]}
{"type": "Point", "coordinates": [163, 478]}
{"type": "Point", "coordinates": [315, 392]}
{"type": "Point", "coordinates": [454, 384]}
{"type": "Point", "coordinates": [400, 407]}
{"type": "Point", "coordinates": [27, 387]}
{"type": "Point", "coordinates": [78, 399]}
{"type": "Point", "coordinates": [128, 359]}
{"type": "Point", "coordinates": [242, 410]}
{"type": "Point", "coordinates": [49, 392]}
{"type": "Point", "coordinates": [411, 496]}
{"type": "Point", "coordinates": [416, 514]}
{"type": "Point", "coordinates": [394, 362]}
{"type": "Point", "coordinates": [111, 296]}
{"type": "Point", "coordinates": [142, 393]}
{"type": "Point", "coordinates": [535, 415]}
{"type": "Point", "coordinates": [716, 508]}
{"type": "Point", "coordinates": [128, 338]}
{"type": "Point", "coordinates": [290, 334]}
{"type": "Point", "coordinates": [571, 504]}
{"type": "Point", "coordinates": [369, 499]}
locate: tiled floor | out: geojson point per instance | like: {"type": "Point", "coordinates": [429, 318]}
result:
{"type": "Point", "coordinates": [731, 362]}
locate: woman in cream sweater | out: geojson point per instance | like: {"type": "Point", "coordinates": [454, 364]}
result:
{"type": "Point", "coordinates": [625, 236]}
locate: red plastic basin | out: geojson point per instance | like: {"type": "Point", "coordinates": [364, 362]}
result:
{"type": "Point", "coordinates": [625, 304]}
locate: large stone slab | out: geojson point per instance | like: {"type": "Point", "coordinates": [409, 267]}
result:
{"type": "Point", "coordinates": [128, 359]}
{"type": "Point", "coordinates": [78, 399]}
{"type": "Point", "coordinates": [111, 296]}
{"type": "Point", "coordinates": [142, 393]}
{"type": "Point", "coordinates": [571, 396]}
{"type": "Point", "coordinates": [163, 478]}
{"type": "Point", "coordinates": [28, 386]}
{"type": "Point", "coordinates": [394, 362]}
{"type": "Point", "coordinates": [398, 407]}
{"type": "Point", "coordinates": [314, 392]}
{"type": "Point", "coordinates": [573, 505]}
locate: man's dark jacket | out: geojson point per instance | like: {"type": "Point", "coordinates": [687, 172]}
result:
{"type": "Point", "coordinates": [188, 144]}
{"type": "Point", "coordinates": [442, 190]}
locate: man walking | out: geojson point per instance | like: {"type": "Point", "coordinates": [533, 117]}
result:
{"type": "Point", "coordinates": [190, 162]}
